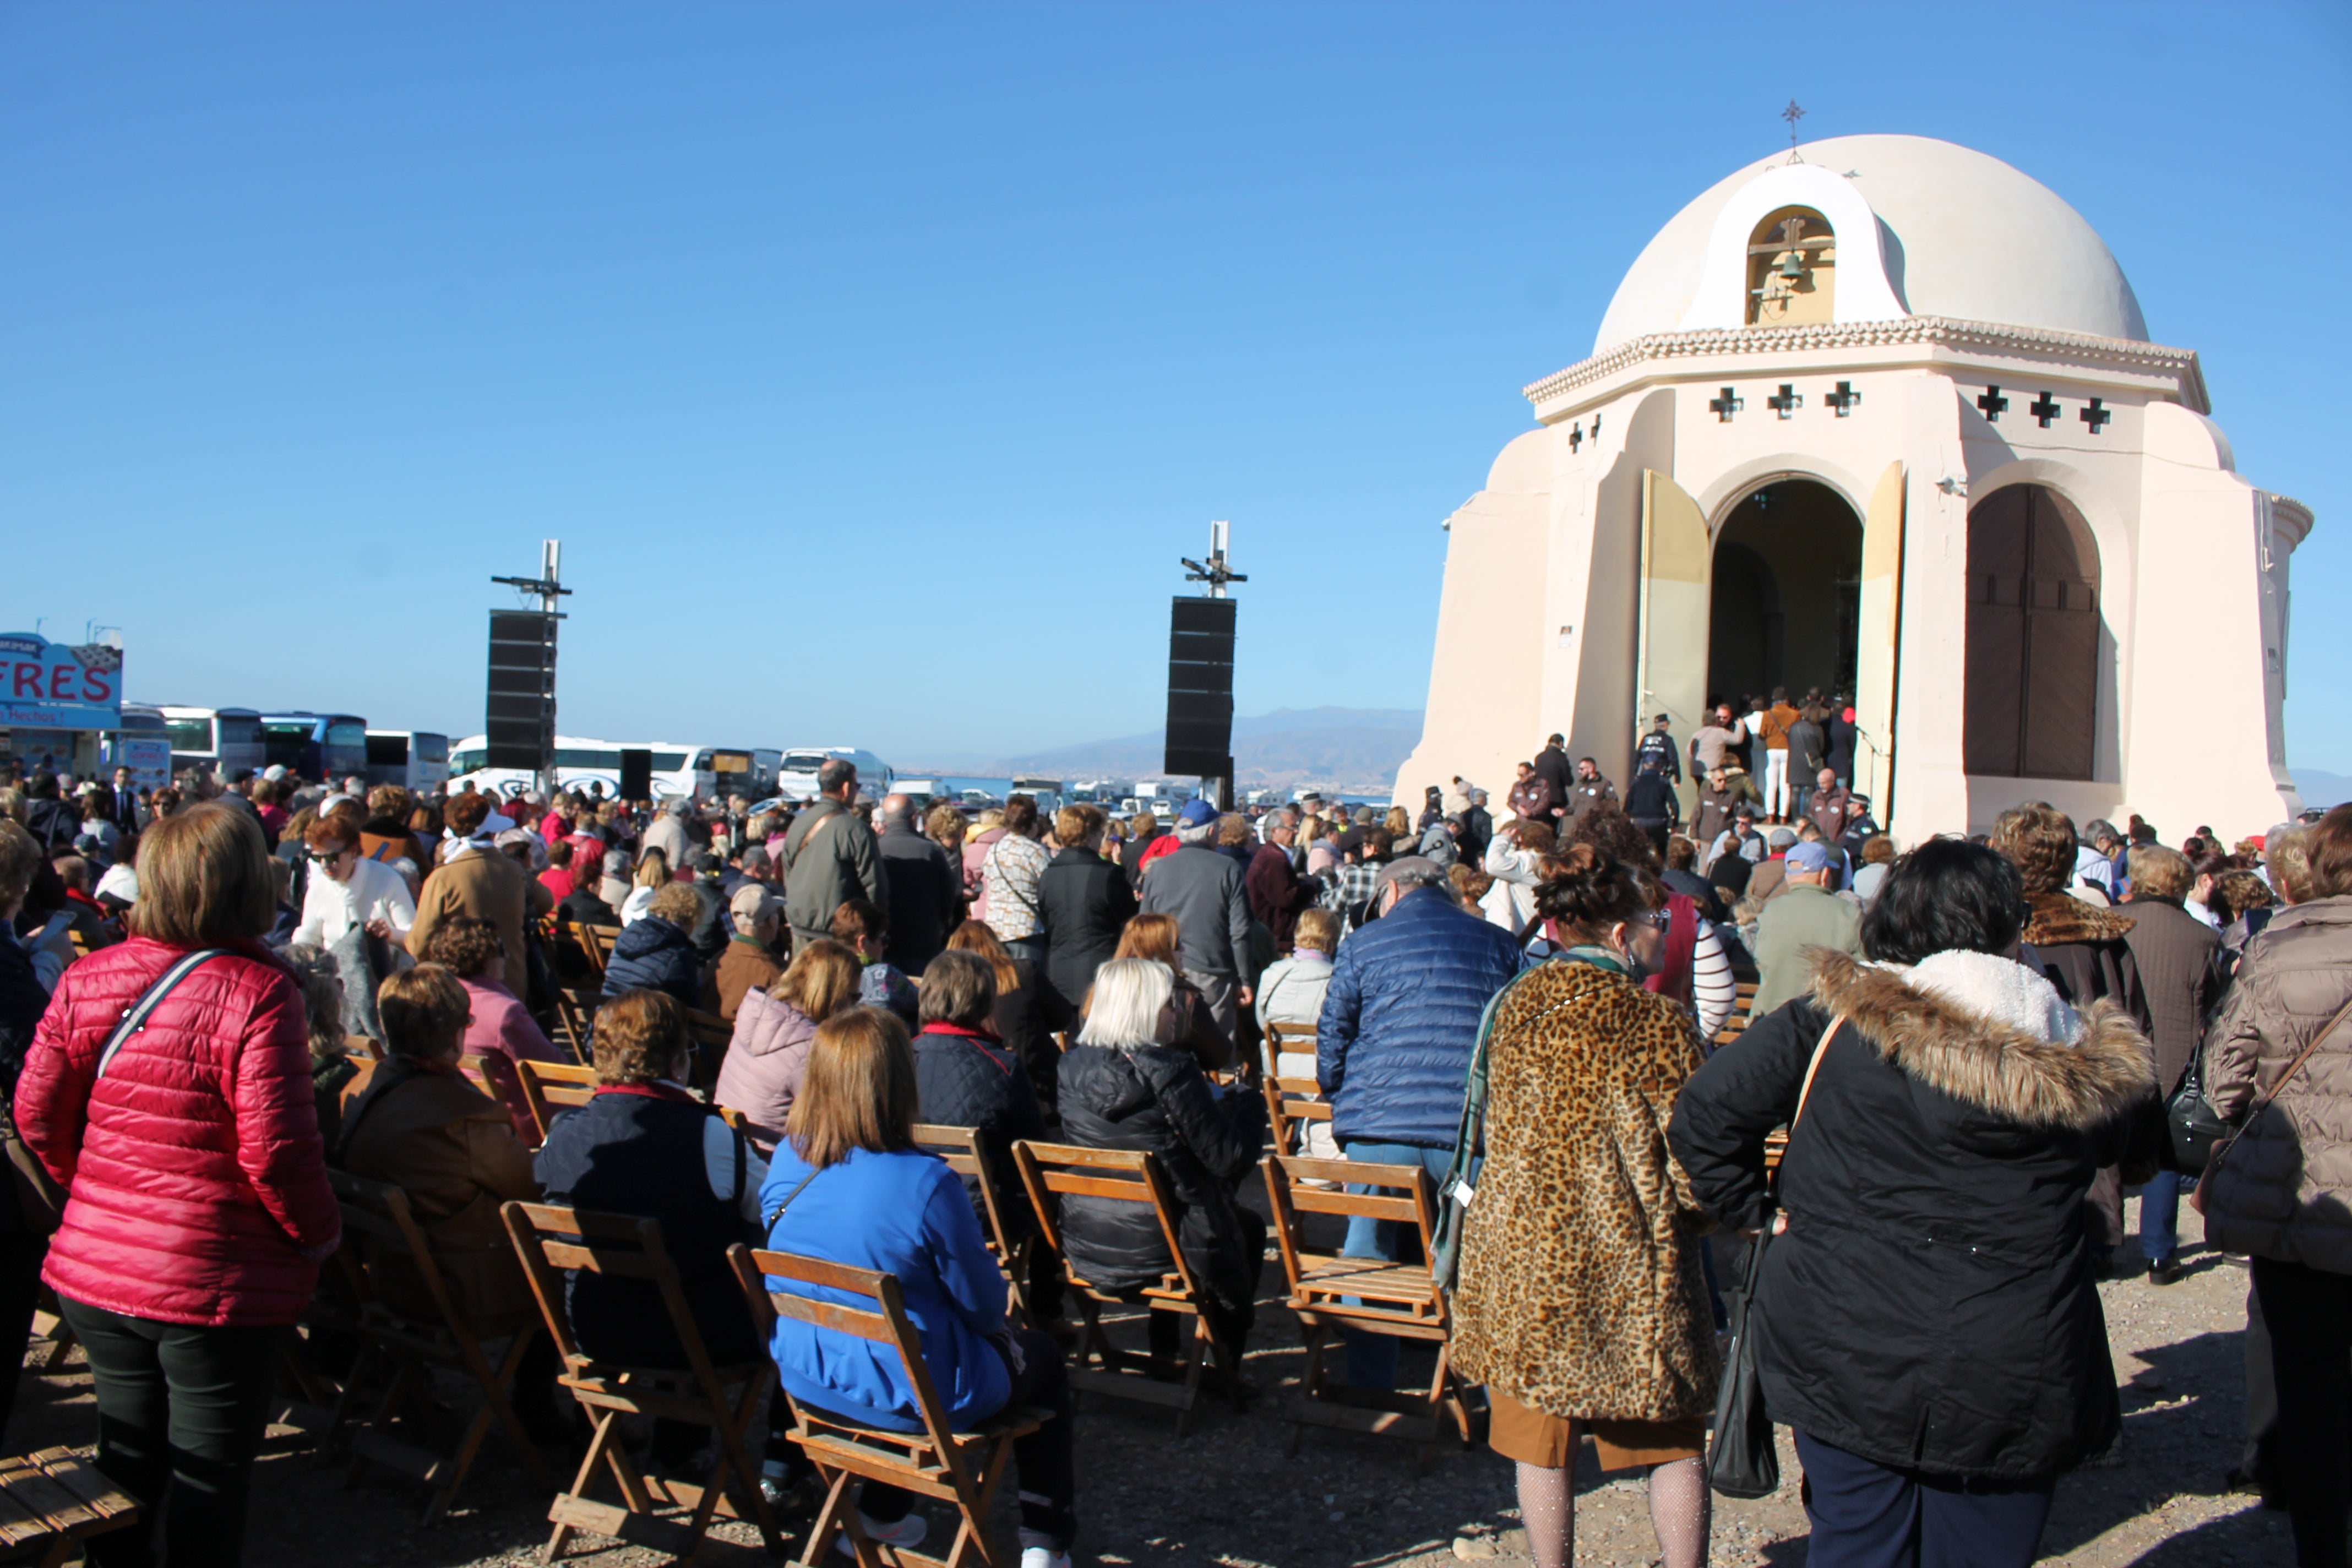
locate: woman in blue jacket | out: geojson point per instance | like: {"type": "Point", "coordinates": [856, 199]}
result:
{"type": "Point", "coordinates": [849, 1185]}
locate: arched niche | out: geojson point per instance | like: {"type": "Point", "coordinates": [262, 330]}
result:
{"type": "Point", "coordinates": [1784, 594]}
{"type": "Point", "coordinates": [1791, 269]}
{"type": "Point", "coordinates": [2031, 702]}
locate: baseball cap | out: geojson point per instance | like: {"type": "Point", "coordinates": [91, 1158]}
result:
{"type": "Point", "coordinates": [1781, 838]}
{"type": "Point", "coordinates": [1809, 857]}
{"type": "Point", "coordinates": [1196, 812]}
{"type": "Point", "coordinates": [273, 772]}
{"type": "Point", "coordinates": [751, 900]}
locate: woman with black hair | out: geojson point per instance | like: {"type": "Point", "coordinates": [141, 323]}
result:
{"type": "Point", "coordinates": [1927, 1316]}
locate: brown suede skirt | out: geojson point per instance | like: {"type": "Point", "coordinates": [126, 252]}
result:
{"type": "Point", "coordinates": [1537, 1437]}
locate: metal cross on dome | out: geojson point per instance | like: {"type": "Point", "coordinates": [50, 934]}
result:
{"type": "Point", "coordinates": [2043, 408]}
{"type": "Point", "coordinates": [1794, 113]}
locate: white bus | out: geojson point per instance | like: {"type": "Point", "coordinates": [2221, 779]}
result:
{"type": "Point", "coordinates": [796, 778]}
{"type": "Point", "coordinates": [415, 760]}
{"type": "Point", "coordinates": [691, 773]}
{"type": "Point", "coordinates": [220, 740]}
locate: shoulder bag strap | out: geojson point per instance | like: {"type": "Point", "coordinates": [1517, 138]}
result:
{"type": "Point", "coordinates": [1810, 1069]}
{"type": "Point", "coordinates": [769, 1228]}
{"type": "Point", "coordinates": [134, 1017]}
{"type": "Point", "coordinates": [2294, 1067]}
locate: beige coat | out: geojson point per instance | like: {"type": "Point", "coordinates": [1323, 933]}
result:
{"type": "Point", "coordinates": [2285, 1190]}
{"type": "Point", "coordinates": [487, 885]}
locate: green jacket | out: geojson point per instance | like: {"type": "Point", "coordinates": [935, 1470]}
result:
{"type": "Point", "coordinates": [1802, 916]}
{"type": "Point", "coordinates": [829, 858]}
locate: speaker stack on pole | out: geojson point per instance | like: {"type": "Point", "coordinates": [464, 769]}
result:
{"type": "Point", "coordinates": [1200, 740]}
{"type": "Point", "coordinates": [520, 721]}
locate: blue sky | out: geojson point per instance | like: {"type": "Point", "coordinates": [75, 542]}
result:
{"type": "Point", "coordinates": [876, 363]}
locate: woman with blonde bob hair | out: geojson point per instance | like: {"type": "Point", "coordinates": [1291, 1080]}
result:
{"type": "Point", "coordinates": [198, 1209]}
{"type": "Point", "coordinates": [1129, 1083]}
{"type": "Point", "coordinates": [850, 1186]}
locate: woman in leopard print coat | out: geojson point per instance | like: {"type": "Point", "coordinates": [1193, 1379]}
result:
{"type": "Point", "coordinates": [1581, 1305]}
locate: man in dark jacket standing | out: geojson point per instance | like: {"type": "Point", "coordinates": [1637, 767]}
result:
{"type": "Point", "coordinates": [1552, 766]}
{"type": "Point", "coordinates": [923, 887]}
{"type": "Point", "coordinates": [1276, 891]}
{"type": "Point", "coordinates": [1588, 790]}
{"type": "Point", "coordinates": [1206, 893]}
{"type": "Point", "coordinates": [1651, 803]}
{"type": "Point", "coordinates": [2179, 961]}
{"type": "Point", "coordinates": [829, 857]}
{"type": "Point", "coordinates": [1083, 903]}
{"type": "Point", "coordinates": [1659, 743]}
{"type": "Point", "coordinates": [1530, 797]}
{"type": "Point", "coordinates": [1393, 1048]}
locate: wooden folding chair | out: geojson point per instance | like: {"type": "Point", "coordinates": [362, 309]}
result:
{"type": "Point", "coordinates": [476, 1071]}
{"type": "Point", "coordinates": [1290, 1104]}
{"type": "Point", "coordinates": [597, 941]}
{"type": "Point", "coordinates": [1134, 1176]}
{"type": "Point", "coordinates": [377, 1220]}
{"type": "Point", "coordinates": [962, 1148]}
{"type": "Point", "coordinates": [366, 1045]}
{"type": "Point", "coordinates": [550, 1087]}
{"type": "Point", "coordinates": [53, 1500]}
{"type": "Point", "coordinates": [959, 1468]}
{"type": "Point", "coordinates": [1736, 1025]}
{"type": "Point", "coordinates": [575, 1019]}
{"type": "Point", "coordinates": [1292, 1038]}
{"type": "Point", "coordinates": [1328, 1292]}
{"type": "Point", "coordinates": [551, 1240]}
{"type": "Point", "coordinates": [711, 1036]}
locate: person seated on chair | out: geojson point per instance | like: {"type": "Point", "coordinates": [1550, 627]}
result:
{"type": "Point", "coordinates": [966, 1077]}
{"type": "Point", "coordinates": [850, 1186]}
{"type": "Point", "coordinates": [761, 1070]}
{"type": "Point", "coordinates": [1197, 1030]}
{"type": "Point", "coordinates": [502, 1031]}
{"type": "Point", "coordinates": [644, 1145]}
{"type": "Point", "coordinates": [1130, 1084]}
{"type": "Point", "coordinates": [1291, 992]}
{"type": "Point", "coordinates": [657, 953]}
{"type": "Point", "coordinates": [421, 1127]}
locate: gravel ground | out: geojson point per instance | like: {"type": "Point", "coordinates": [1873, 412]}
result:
{"type": "Point", "coordinates": [1230, 1494]}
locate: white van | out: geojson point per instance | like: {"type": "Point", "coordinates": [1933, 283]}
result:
{"type": "Point", "coordinates": [796, 778]}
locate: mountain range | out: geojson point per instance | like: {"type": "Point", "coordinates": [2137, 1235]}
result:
{"type": "Point", "coordinates": [1351, 748]}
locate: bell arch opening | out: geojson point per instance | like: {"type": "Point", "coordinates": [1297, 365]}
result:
{"type": "Point", "coordinates": [2034, 629]}
{"type": "Point", "coordinates": [1791, 269]}
{"type": "Point", "coordinates": [1784, 605]}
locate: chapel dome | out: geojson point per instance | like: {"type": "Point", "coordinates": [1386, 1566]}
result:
{"type": "Point", "coordinates": [1963, 234]}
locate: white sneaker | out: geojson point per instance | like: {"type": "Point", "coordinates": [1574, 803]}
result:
{"type": "Point", "coordinates": [907, 1533]}
{"type": "Point", "coordinates": [1044, 1557]}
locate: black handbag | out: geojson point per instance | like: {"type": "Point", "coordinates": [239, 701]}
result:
{"type": "Point", "coordinates": [2193, 1127]}
{"type": "Point", "coordinates": [1741, 1459]}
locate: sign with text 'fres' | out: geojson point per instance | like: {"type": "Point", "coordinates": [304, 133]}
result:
{"type": "Point", "coordinates": [49, 685]}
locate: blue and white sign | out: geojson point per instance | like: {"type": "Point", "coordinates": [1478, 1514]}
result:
{"type": "Point", "coordinates": [55, 686]}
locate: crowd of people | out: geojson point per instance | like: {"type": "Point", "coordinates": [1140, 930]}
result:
{"type": "Point", "coordinates": [211, 996]}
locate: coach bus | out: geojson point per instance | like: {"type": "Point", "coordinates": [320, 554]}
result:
{"type": "Point", "coordinates": [316, 745]}
{"type": "Point", "coordinates": [690, 772]}
{"type": "Point", "coordinates": [796, 779]}
{"type": "Point", "coordinates": [415, 760]}
{"type": "Point", "coordinates": [219, 740]}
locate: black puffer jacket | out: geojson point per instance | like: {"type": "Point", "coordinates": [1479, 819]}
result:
{"type": "Point", "coordinates": [969, 1080]}
{"type": "Point", "coordinates": [1931, 1305]}
{"type": "Point", "coordinates": [654, 955]}
{"type": "Point", "coordinates": [1156, 1098]}
{"type": "Point", "coordinates": [1083, 902]}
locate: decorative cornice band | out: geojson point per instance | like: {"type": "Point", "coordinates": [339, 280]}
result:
{"type": "Point", "coordinates": [2120, 352]}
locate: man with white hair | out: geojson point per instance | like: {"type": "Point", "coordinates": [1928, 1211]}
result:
{"type": "Point", "coordinates": [1207, 894]}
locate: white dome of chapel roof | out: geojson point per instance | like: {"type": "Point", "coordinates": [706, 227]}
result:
{"type": "Point", "coordinates": [1964, 235]}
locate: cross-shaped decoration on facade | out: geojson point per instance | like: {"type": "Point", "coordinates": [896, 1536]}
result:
{"type": "Point", "coordinates": [2096, 416]}
{"type": "Point", "coordinates": [2044, 408]}
{"type": "Point", "coordinates": [1596, 428]}
{"type": "Point", "coordinates": [1727, 406]}
{"type": "Point", "coordinates": [1576, 437]}
{"type": "Point", "coordinates": [1786, 401]}
{"type": "Point", "coordinates": [1844, 398]}
{"type": "Point", "coordinates": [1993, 404]}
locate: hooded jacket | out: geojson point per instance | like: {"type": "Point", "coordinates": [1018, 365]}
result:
{"type": "Point", "coordinates": [761, 1071]}
{"type": "Point", "coordinates": [1155, 1097]}
{"type": "Point", "coordinates": [2285, 1191]}
{"type": "Point", "coordinates": [198, 1177]}
{"type": "Point", "coordinates": [1931, 1305]}
{"type": "Point", "coordinates": [655, 955]}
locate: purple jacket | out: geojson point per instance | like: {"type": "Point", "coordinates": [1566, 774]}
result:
{"type": "Point", "coordinates": [764, 1063]}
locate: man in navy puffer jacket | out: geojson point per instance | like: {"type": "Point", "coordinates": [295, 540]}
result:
{"type": "Point", "coordinates": [1392, 1049]}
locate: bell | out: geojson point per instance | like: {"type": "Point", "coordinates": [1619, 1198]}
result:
{"type": "Point", "coordinates": [1792, 265]}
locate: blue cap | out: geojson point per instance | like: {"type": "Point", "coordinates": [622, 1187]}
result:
{"type": "Point", "coordinates": [1196, 812]}
{"type": "Point", "coordinates": [1809, 857]}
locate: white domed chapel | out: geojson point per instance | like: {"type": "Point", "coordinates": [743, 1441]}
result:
{"type": "Point", "coordinates": [1881, 416]}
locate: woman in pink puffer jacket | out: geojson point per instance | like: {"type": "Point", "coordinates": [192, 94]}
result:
{"type": "Point", "coordinates": [198, 1209]}
{"type": "Point", "coordinates": [774, 1029]}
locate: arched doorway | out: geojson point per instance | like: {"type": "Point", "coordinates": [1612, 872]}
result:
{"type": "Point", "coordinates": [1784, 605]}
{"type": "Point", "coordinates": [2033, 664]}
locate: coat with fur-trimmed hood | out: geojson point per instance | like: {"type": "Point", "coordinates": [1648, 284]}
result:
{"type": "Point", "coordinates": [1931, 1304]}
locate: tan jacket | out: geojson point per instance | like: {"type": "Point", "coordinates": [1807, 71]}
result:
{"type": "Point", "coordinates": [1581, 1291]}
{"type": "Point", "coordinates": [452, 1150]}
{"type": "Point", "coordinates": [2285, 1190]}
{"type": "Point", "coordinates": [487, 885]}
